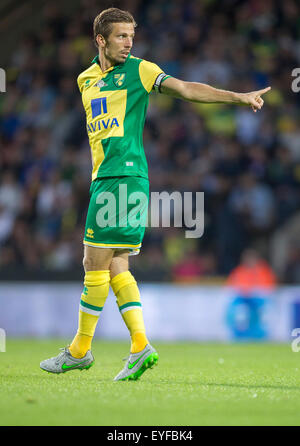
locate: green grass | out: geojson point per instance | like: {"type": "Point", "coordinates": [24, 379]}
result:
{"type": "Point", "coordinates": [193, 384]}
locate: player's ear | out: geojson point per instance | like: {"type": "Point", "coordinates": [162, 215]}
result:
{"type": "Point", "coordinates": [100, 41]}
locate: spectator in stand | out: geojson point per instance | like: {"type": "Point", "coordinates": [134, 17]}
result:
{"type": "Point", "coordinates": [252, 282]}
{"type": "Point", "coordinates": [252, 273]}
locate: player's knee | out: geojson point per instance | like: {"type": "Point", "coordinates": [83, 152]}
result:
{"type": "Point", "coordinates": [89, 263]}
{"type": "Point", "coordinates": [85, 262]}
{"type": "Point", "coordinates": [118, 265]}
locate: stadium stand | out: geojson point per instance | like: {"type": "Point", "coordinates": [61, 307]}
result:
{"type": "Point", "coordinates": [247, 165]}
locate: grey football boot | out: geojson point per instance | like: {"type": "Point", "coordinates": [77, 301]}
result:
{"type": "Point", "coordinates": [64, 362]}
{"type": "Point", "coordinates": [137, 364]}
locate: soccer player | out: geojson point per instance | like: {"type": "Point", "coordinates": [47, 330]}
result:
{"type": "Point", "coordinates": [115, 92]}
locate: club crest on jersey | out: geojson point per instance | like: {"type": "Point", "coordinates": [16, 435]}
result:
{"type": "Point", "coordinates": [119, 79]}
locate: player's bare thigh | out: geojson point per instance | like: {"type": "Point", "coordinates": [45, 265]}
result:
{"type": "Point", "coordinates": [119, 262]}
{"type": "Point", "coordinates": [97, 259]}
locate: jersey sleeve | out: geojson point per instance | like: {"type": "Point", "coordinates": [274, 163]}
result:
{"type": "Point", "coordinates": [80, 83]}
{"type": "Point", "coordinates": [149, 74]}
{"type": "Point", "coordinates": [83, 80]}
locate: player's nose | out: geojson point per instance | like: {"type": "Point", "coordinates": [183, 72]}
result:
{"type": "Point", "coordinates": [128, 43]}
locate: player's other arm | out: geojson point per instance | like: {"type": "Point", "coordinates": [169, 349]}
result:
{"type": "Point", "coordinates": [198, 92]}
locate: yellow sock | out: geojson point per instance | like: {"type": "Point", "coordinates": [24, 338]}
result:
{"type": "Point", "coordinates": [96, 287]}
{"type": "Point", "coordinates": [128, 299]}
{"type": "Point", "coordinates": [138, 341]}
{"type": "Point", "coordinates": [80, 345]}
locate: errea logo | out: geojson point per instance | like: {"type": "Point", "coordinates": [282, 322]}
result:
{"type": "Point", "coordinates": [90, 233]}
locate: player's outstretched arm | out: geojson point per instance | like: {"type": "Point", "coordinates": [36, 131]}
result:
{"type": "Point", "coordinates": [197, 92]}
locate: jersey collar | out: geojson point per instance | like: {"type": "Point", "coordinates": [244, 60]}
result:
{"type": "Point", "coordinates": [96, 60]}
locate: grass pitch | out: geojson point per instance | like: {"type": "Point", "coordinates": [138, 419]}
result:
{"type": "Point", "coordinates": [193, 385]}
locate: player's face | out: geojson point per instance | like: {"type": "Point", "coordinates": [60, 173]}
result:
{"type": "Point", "coordinates": [119, 43]}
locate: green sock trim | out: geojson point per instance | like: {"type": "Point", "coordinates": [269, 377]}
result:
{"type": "Point", "coordinates": [91, 307]}
{"type": "Point", "coordinates": [130, 304]}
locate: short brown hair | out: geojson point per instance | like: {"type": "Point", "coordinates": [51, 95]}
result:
{"type": "Point", "coordinates": [103, 22]}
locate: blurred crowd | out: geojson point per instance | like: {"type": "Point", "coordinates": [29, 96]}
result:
{"type": "Point", "coordinates": [247, 164]}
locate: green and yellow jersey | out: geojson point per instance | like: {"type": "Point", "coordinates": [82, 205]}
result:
{"type": "Point", "coordinates": [115, 103]}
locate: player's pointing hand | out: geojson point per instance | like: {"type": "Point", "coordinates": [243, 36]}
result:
{"type": "Point", "coordinates": [253, 98]}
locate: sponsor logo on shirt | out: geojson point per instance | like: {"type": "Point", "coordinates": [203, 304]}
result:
{"type": "Point", "coordinates": [106, 113]}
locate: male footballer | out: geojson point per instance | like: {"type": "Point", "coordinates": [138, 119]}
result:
{"type": "Point", "coordinates": [115, 92]}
